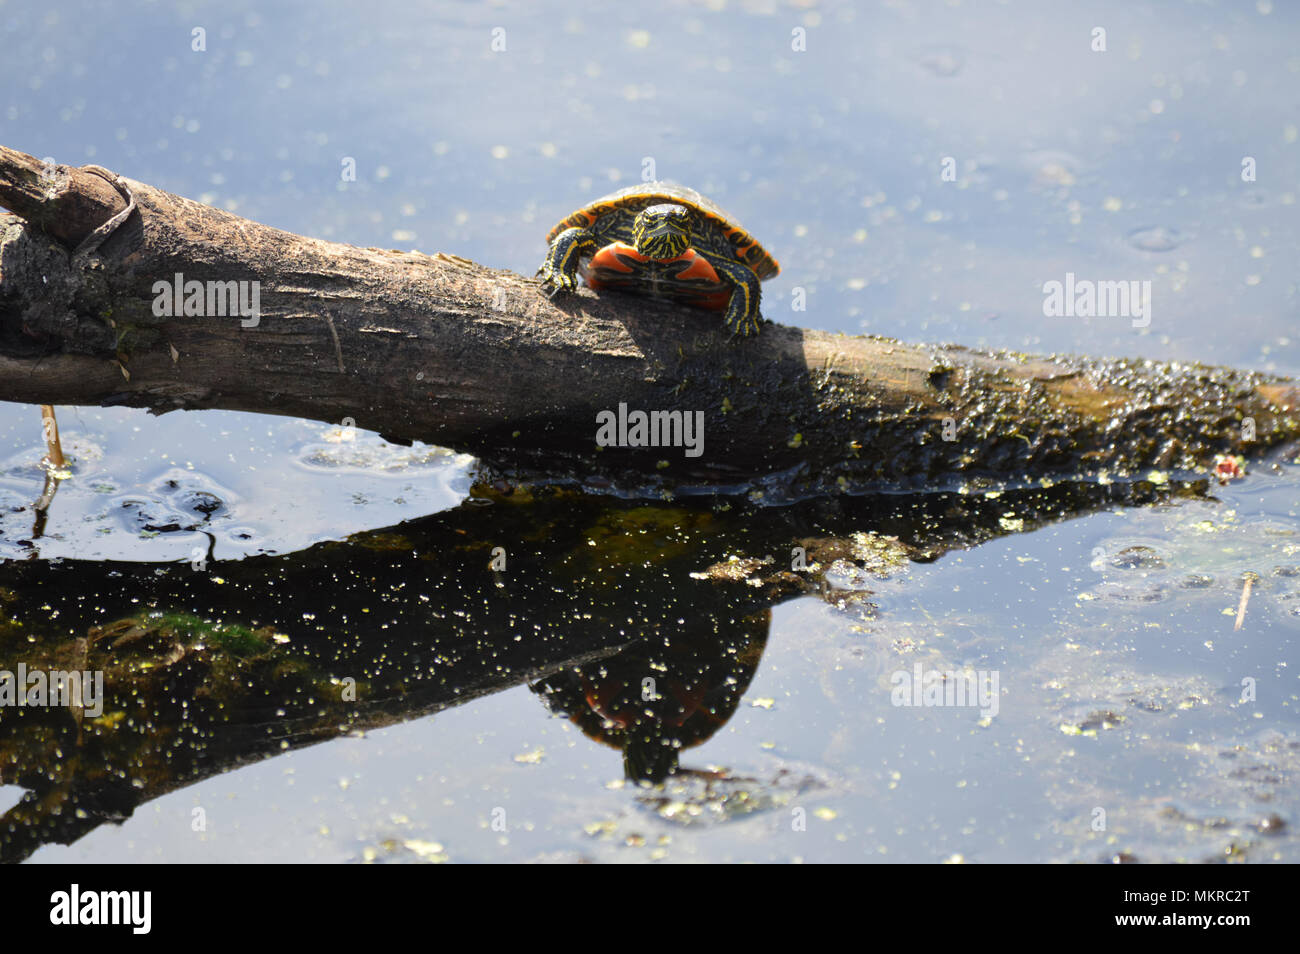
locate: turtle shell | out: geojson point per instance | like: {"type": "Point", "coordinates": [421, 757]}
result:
{"type": "Point", "coordinates": [746, 247]}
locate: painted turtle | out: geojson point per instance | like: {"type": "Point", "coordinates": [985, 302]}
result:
{"type": "Point", "coordinates": [664, 240]}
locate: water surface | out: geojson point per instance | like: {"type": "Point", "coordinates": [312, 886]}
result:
{"type": "Point", "coordinates": [1112, 627]}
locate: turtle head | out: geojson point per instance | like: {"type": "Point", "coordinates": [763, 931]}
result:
{"type": "Point", "coordinates": [662, 232]}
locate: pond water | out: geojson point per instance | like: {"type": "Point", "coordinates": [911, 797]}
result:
{"type": "Point", "coordinates": [266, 565]}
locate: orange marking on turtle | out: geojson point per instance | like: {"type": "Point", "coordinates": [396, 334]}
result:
{"type": "Point", "coordinates": [612, 257]}
{"type": "Point", "coordinates": [619, 259]}
{"type": "Point", "coordinates": [699, 267]}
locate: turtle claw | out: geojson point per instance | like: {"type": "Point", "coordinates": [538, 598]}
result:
{"type": "Point", "coordinates": [742, 325]}
{"type": "Point", "coordinates": [555, 281]}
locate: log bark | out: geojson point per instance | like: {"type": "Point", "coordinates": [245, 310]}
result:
{"type": "Point", "coordinates": [439, 349]}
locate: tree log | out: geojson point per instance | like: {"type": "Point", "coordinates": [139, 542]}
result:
{"type": "Point", "coordinates": [439, 349]}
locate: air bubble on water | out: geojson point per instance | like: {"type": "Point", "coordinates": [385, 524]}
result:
{"type": "Point", "coordinates": [1156, 238]}
{"type": "Point", "coordinates": [1052, 167]}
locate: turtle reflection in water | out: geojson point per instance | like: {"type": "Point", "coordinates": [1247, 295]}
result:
{"type": "Point", "coordinates": [659, 695]}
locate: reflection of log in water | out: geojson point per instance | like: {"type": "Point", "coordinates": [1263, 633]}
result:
{"type": "Point", "coordinates": [244, 659]}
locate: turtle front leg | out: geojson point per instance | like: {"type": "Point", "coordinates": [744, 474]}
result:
{"type": "Point", "coordinates": [560, 270]}
{"type": "Point", "coordinates": [742, 315]}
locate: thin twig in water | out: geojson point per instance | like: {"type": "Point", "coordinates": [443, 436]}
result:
{"type": "Point", "coordinates": [1241, 607]}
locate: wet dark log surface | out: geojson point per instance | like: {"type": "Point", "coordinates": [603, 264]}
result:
{"type": "Point", "coordinates": [443, 350]}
